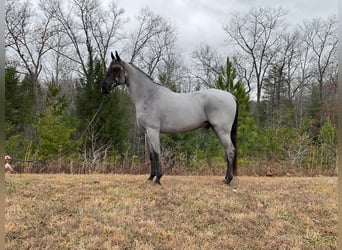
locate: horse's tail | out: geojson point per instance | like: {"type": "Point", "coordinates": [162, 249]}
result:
{"type": "Point", "coordinates": [233, 136]}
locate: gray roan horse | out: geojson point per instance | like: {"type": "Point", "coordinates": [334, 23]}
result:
{"type": "Point", "coordinates": [159, 110]}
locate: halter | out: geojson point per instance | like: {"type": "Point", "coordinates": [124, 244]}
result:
{"type": "Point", "coordinates": [115, 81]}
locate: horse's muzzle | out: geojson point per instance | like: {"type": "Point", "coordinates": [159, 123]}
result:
{"type": "Point", "coordinates": [104, 89]}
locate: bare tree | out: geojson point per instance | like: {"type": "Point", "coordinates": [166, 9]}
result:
{"type": "Point", "coordinates": [57, 67]}
{"type": "Point", "coordinates": [321, 38]}
{"type": "Point", "coordinates": [159, 50]}
{"type": "Point", "coordinates": [106, 29]}
{"type": "Point", "coordinates": [303, 77]}
{"type": "Point", "coordinates": [282, 82]}
{"type": "Point", "coordinates": [173, 73]}
{"type": "Point", "coordinates": [305, 61]}
{"type": "Point", "coordinates": [206, 65]}
{"type": "Point", "coordinates": [256, 34]}
{"type": "Point", "coordinates": [27, 37]}
{"type": "Point", "coordinates": [288, 61]}
{"type": "Point", "coordinates": [151, 42]}
{"type": "Point", "coordinates": [90, 30]}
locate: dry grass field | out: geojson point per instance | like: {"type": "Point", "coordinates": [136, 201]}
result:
{"type": "Point", "coordinates": [186, 212]}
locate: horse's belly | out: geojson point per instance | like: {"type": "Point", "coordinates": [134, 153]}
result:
{"type": "Point", "coordinates": [182, 121]}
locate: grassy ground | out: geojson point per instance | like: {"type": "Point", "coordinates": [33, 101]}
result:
{"type": "Point", "coordinates": [128, 212]}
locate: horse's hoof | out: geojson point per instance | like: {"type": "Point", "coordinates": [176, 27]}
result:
{"type": "Point", "coordinates": [227, 182]}
{"type": "Point", "coordinates": [157, 182]}
{"type": "Point", "coordinates": [150, 178]}
{"type": "Point", "coordinates": [228, 179]}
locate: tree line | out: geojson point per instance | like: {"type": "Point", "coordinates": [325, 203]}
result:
{"type": "Point", "coordinates": [284, 77]}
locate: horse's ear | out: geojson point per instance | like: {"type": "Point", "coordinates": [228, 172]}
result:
{"type": "Point", "coordinates": [111, 54]}
{"type": "Point", "coordinates": [117, 56]}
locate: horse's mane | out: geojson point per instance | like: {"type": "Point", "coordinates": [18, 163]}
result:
{"type": "Point", "coordinates": [148, 76]}
{"type": "Point", "coordinates": [141, 71]}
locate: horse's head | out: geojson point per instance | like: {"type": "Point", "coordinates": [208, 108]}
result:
{"type": "Point", "coordinates": [115, 74]}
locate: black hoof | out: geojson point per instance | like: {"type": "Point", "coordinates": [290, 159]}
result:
{"type": "Point", "coordinates": [227, 181]}
{"type": "Point", "coordinates": [150, 178]}
{"type": "Point", "coordinates": [157, 181]}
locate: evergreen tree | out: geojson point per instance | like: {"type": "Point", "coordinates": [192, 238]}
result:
{"type": "Point", "coordinates": [226, 81]}
{"type": "Point", "coordinates": [54, 130]}
{"type": "Point", "coordinates": [20, 102]}
{"type": "Point", "coordinates": [89, 95]}
{"type": "Point", "coordinates": [117, 120]}
{"type": "Point", "coordinates": [20, 109]}
{"type": "Point", "coordinates": [114, 122]}
{"type": "Point", "coordinates": [12, 103]}
{"type": "Point", "coordinates": [246, 125]}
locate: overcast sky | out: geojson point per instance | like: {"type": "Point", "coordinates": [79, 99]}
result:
{"type": "Point", "coordinates": [198, 21]}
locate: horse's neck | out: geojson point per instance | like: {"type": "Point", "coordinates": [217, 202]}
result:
{"type": "Point", "coordinates": [140, 87]}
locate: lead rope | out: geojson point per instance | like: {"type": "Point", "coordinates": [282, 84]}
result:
{"type": "Point", "coordinates": [65, 150]}
{"type": "Point", "coordinates": [92, 119]}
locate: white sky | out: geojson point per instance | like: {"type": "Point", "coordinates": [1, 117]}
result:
{"type": "Point", "coordinates": [198, 21]}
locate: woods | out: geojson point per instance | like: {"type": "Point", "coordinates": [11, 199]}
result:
{"type": "Point", "coordinates": [284, 77]}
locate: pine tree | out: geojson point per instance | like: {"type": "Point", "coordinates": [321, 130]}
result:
{"type": "Point", "coordinates": [246, 125]}
{"type": "Point", "coordinates": [20, 106]}
{"type": "Point", "coordinates": [227, 81]}
{"type": "Point", "coordinates": [117, 120]}
{"type": "Point", "coordinates": [20, 102]}
{"type": "Point", "coordinates": [54, 130]}
{"type": "Point", "coordinates": [12, 103]}
{"type": "Point", "coordinates": [114, 122]}
{"type": "Point", "coordinates": [89, 95]}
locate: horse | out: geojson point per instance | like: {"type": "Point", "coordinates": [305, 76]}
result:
{"type": "Point", "coordinates": [160, 110]}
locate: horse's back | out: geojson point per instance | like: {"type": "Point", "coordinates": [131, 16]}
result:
{"type": "Point", "coordinates": [219, 99]}
{"type": "Point", "coordinates": [219, 93]}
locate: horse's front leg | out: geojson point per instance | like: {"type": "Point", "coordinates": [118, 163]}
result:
{"type": "Point", "coordinates": [158, 168]}
{"type": "Point", "coordinates": [152, 161]}
{"type": "Point", "coordinates": [154, 148]}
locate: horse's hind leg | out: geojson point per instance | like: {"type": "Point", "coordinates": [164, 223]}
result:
{"type": "Point", "coordinates": [154, 147]}
{"type": "Point", "coordinates": [229, 149]}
